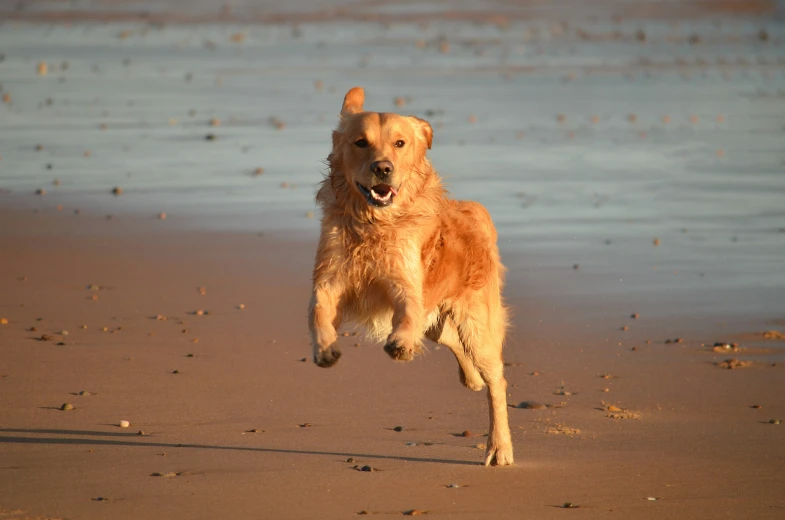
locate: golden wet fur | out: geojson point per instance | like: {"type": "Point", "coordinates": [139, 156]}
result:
{"type": "Point", "coordinates": [423, 266]}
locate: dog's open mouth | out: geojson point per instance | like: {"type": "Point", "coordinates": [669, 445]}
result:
{"type": "Point", "coordinates": [380, 195]}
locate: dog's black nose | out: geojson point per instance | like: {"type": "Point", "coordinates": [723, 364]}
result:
{"type": "Point", "coordinates": [382, 169]}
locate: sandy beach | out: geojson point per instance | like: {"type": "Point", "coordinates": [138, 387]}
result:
{"type": "Point", "coordinates": [157, 234]}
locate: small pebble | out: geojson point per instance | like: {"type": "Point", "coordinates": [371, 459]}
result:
{"type": "Point", "coordinates": [168, 474]}
{"type": "Point", "coordinates": [453, 486]}
{"type": "Point", "coordinates": [466, 433]}
{"type": "Point", "coordinates": [398, 428]}
{"type": "Point", "coordinates": [775, 421]}
{"type": "Point", "coordinates": [67, 406]}
{"type": "Point", "coordinates": [241, 306]}
{"type": "Point", "coordinates": [210, 137]}
{"type": "Point", "coordinates": [756, 406]}
{"type": "Point", "coordinates": [413, 512]}
{"type": "Point", "coordinates": [634, 316]}
{"type": "Point", "coordinates": [656, 242]}
{"type": "Point", "coordinates": [366, 468]}
{"type": "Point", "coordinates": [162, 216]}
{"type": "Point", "coordinates": [175, 371]}
{"type": "Point", "coordinates": [350, 459]}
{"type": "Point", "coordinates": [84, 393]}
{"type": "Point", "coordinates": [3, 321]}
{"type": "Point", "coordinates": [531, 405]}
{"type": "Point", "coordinates": [141, 432]}
{"type": "Point", "coordinates": [570, 505]}
{"type": "Point", "coordinates": [124, 424]}
{"type": "Point", "coordinates": [255, 430]}
{"type": "Point", "coordinates": [117, 190]}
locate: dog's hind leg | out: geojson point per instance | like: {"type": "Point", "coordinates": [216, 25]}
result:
{"type": "Point", "coordinates": [483, 341]}
{"type": "Point", "coordinates": [445, 333]}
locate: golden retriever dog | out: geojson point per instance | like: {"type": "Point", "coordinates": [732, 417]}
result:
{"type": "Point", "coordinates": [398, 256]}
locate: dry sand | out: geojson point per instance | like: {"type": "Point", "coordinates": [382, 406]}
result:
{"type": "Point", "coordinates": [695, 443]}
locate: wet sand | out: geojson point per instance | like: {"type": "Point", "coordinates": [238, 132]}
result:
{"type": "Point", "coordinates": [631, 157]}
{"type": "Point", "coordinates": [697, 446]}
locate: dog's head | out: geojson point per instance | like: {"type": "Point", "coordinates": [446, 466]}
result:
{"type": "Point", "coordinates": [380, 155]}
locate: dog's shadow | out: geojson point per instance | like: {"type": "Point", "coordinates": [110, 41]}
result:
{"type": "Point", "coordinates": [81, 437]}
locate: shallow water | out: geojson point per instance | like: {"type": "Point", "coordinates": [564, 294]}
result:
{"type": "Point", "coordinates": [585, 145]}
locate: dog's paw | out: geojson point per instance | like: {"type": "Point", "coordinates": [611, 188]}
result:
{"type": "Point", "coordinates": [473, 383]}
{"type": "Point", "coordinates": [499, 455]}
{"type": "Point", "coordinates": [327, 357]}
{"type": "Point", "coordinates": [397, 349]}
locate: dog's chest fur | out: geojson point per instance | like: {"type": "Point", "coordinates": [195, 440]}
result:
{"type": "Point", "coordinates": [376, 260]}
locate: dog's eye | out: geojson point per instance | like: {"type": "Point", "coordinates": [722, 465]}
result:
{"type": "Point", "coordinates": [361, 143]}
{"type": "Point", "coordinates": [399, 143]}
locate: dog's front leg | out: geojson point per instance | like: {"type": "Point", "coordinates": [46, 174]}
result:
{"type": "Point", "coordinates": [405, 340]}
{"type": "Point", "coordinates": [324, 317]}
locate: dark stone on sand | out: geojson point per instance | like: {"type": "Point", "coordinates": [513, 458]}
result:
{"type": "Point", "coordinates": [350, 459]}
{"type": "Point", "coordinates": [570, 505]}
{"type": "Point", "coordinates": [398, 428]}
{"type": "Point", "coordinates": [366, 468]}
{"type": "Point", "coordinates": [210, 137]}
{"type": "Point", "coordinates": [67, 406]}
{"type": "Point", "coordinates": [531, 405]}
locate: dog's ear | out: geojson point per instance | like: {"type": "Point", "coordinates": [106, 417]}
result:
{"type": "Point", "coordinates": [353, 101]}
{"type": "Point", "coordinates": [423, 130]}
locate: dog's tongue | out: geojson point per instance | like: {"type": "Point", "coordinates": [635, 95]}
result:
{"type": "Point", "coordinates": [383, 190]}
